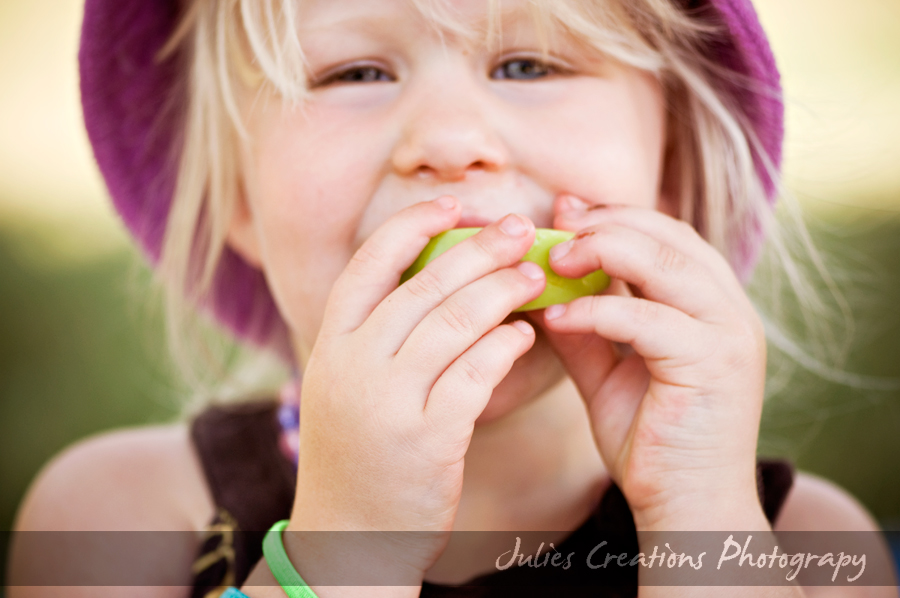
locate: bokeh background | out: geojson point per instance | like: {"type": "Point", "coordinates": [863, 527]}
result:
{"type": "Point", "coordinates": [81, 346]}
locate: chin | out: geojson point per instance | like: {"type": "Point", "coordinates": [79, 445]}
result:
{"type": "Point", "coordinates": [532, 375]}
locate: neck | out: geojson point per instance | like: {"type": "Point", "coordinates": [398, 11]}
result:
{"type": "Point", "coordinates": [536, 469]}
{"type": "Point", "coordinates": [520, 468]}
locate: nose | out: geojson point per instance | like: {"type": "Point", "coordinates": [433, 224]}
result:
{"type": "Point", "coordinates": [446, 136]}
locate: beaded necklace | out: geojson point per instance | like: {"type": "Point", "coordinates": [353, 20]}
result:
{"type": "Point", "coordinates": [289, 419]}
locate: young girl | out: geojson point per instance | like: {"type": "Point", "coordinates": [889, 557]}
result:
{"type": "Point", "coordinates": [284, 162]}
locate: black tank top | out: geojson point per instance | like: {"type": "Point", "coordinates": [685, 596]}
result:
{"type": "Point", "coordinates": [252, 484]}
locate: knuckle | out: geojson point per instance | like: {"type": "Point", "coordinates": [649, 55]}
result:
{"type": "Point", "coordinates": [425, 285]}
{"type": "Point", "coordinates": [593, 309]}
{"type": "Point", "coordinates": [486, 249]}
{"type": "Point", "coordinates": [366, 259]}
{"type": "Point", "coordinates": [458, 318]}
{"type": "Point", "coordinates": [472, 372]}
{"type": "Point", "coordinates": [669, 259]}
{"type": "Point", "coordinates": [645, 311]}
{"type": "Point", "coordinates": [735, 357]}
{"type": "Point", "coordinates": [745, 347]}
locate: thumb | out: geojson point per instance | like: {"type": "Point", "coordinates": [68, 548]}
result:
{"type": "Point", "coordinates": [588, 358]}
{"type": "Point", "coordinates": [614, 409]}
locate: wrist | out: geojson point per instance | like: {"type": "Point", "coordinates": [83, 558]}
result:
{"type": "Point", "coordinates": [702, 499]}
{"type": "Point", "coordinates": [261, 583]}
{"type": "Point", "coordinates": [346, 547]}
{"type": "Point", "coordinates": [345, 558]}
{"type": "Point", "coordinates": [315, 564]}
{"type": "Point", "coordinates": [705, 511]}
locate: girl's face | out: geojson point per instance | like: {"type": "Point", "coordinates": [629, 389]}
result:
{"type": "Point", "coordinates": [400, 112]}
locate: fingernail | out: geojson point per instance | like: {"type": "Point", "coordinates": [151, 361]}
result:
{"type": "Point", "coordinates": [557, 252]}
{"type": "Point", "coordinates": [531, 270]}
{"type": "Point", "coordinates": [523, 327]}
{"type": "Point", "coordinates": [513, 226]}
{"type": "Point", "coordinates": [555, 311]}
{"type": "Point", "coordinates": [573, 203]}
{"type": "Point", "coordinates": [447, 202]}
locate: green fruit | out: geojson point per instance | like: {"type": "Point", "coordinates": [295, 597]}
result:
{"type": "Point", "coordinates": [559, 289]}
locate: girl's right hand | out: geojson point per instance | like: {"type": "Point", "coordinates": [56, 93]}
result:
{"type": "Point", "coordinates": [394, 384]}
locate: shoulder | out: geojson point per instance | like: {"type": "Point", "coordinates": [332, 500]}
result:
{"type": "Point", "coordinates": [815, 504]}
{"type": "Point", "coordinates": [142, 480]}
{"type": "Point", "coordinates": [137, 479]}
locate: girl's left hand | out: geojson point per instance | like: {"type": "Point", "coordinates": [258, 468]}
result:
{"type": "Point", "coordinates": [676, 421]}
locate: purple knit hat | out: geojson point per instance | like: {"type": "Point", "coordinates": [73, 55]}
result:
{"type": "Point", "coordinates": [133, 109]}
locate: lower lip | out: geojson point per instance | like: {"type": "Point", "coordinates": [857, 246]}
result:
{"type": "Point", "coordinates": [472, 222]}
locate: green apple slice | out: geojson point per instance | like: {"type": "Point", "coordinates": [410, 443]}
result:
{"type": "Point", "coordinates": [559, 289]}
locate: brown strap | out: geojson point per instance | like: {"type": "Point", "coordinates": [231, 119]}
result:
{"type": "Point", "coordinates": [252, 485]}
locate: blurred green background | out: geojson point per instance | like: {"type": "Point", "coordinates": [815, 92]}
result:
{"type": "Point", "coordinates": [81, 347]}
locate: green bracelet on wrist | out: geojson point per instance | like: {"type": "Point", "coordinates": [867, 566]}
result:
{"type": "Point", "coordinates": [280, 566]}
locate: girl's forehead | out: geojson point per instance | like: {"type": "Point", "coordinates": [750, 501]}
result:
{"type": "Point", "coordinates": [465, 18]}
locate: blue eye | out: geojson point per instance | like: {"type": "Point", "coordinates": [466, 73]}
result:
{"type": "Point", "coordinates": [522, 69]}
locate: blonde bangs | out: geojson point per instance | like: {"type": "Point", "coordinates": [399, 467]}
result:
{"type": "Point", "coordinates": [710, 167]}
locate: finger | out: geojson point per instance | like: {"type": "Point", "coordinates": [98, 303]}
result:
{"type": "Point", "coordinates": [466, 316]}
{"type": "Point", "coordinates": [655, 331]}
{"type": "Point", "coordinates": [659, 271]}
{"type": "Point", "coordinates": [587, 358]}
{"type": "Point", "coordinates": [613, 408]}
{"type": "Point", "coordinates": [666, 229]}
{"type": "Point", "coordinates": [461, 393]}
{"type": "Point", "coordinates": [499, 245]}
{"type": "Point", "coordinates": [376, 267]}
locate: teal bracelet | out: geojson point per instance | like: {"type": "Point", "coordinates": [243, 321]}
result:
{"type": "Point", "coordinates": [233, 593]}
{"type": "Point", "coordinates": [280, 566]}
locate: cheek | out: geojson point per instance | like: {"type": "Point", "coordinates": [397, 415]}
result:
{"type": "Point", "coordinates": [306, 210]}
{"type": "Point", "coordinates": [299, 270]}
{"type": "Point", "coordinates": [605, 143]}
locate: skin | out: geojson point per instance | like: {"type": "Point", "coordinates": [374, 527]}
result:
{"type": "Point", "coordinates": [498, 146]}
{"type": "Point", "coordinates": [433, 379]}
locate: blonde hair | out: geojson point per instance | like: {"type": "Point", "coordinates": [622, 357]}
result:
{"type": "Point", "coordinates": [710, 159]}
